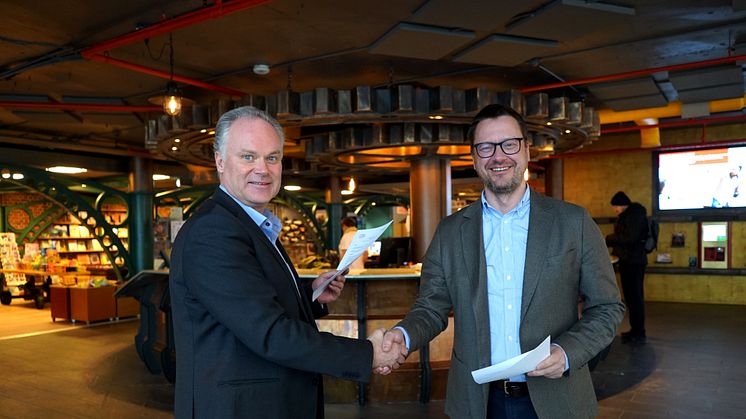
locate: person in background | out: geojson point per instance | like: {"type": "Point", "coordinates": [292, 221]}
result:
{"type": "Point", "coordinates": [511, 267]}
{"type": "Point", "coordinates": [349, 228]}
{"type": "Point", "coordinates": [247, 344]}
{"type": "Point", "coordinates": [628, 244]}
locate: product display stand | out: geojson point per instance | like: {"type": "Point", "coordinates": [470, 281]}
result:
{"type": "Point", "coordinates": [149, 288]}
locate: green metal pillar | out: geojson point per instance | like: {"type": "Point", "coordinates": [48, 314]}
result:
{"type": "Point", "coordinates": [334, 226]}
{"type": "Point", "coordinates": [141, 214]}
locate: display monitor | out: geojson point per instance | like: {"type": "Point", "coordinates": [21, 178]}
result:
{"type": "Point", "coordinates": [374, 249]}
{"type": "Point", "coordinates": [701, 180]}
{"type": "Point", "coordinates": [395, 251]}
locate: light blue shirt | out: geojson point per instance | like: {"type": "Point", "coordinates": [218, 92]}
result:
{"type": "Point", "coordinates": [505, 237]}
{"type": "Point", "coordinates": [265, 220]}
{"type": "Point", "coordinates": [505, 240]}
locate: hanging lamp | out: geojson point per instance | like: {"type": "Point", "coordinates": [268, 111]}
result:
{"type": "Point", "coordinates": [173, 100]}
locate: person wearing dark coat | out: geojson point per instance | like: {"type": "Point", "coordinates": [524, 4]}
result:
{"type": "Point", "coordinates": [247, 345]}
{"type": "Point", "coordinates": [628, 243]}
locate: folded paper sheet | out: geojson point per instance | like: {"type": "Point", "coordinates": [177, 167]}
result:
{"type": "Point", "coordinates": [360, 242]}
{"type": "Point", "coordinates": [518, 365]}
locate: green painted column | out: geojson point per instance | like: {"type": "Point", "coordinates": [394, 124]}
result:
{"type": "Point", "coordinates": [141, 214]}
{"type": "Point", "coordinates": [334, 204]}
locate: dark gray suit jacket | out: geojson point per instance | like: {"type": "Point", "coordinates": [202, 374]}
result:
{"type": "Point", "coordinates": [565, 259]}
{"type": "Point", "coordinates": [246, 343]}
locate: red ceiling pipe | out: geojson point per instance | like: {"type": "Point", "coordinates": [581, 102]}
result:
{"type": "Point", "coordinates": [687, 122]}
{"type": "Point", "coordinates": [636, 73]}
{"type": "Point", "coordinates": [166, 75]}
{"type": "Point", "coordinates": [82, 107]}
{"type": "Point", "coordinates": [219, 9]}
{"type": "Point", "coordinates": [693, 146]}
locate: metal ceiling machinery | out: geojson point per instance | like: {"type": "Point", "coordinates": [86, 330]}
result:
{"type": "Point", "coordinates": [373, 129]}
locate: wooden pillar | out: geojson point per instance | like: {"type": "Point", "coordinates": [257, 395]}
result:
{"type": "Point", "coordinates": [430, 200]}
{"type": "Point", "coordinates": [555, 179]}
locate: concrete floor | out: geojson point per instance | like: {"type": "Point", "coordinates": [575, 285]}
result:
{"type": "Point", "coordinates": [691, 367]}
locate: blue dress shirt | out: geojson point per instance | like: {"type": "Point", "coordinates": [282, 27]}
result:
{"type": "Point", "coordinates": [505, 237]}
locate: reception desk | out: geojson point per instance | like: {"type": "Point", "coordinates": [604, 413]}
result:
{"type": "Point", "coordinates": [375, 298]}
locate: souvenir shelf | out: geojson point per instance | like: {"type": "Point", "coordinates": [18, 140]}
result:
{"type": "Point", "coordinates": [75, 244]}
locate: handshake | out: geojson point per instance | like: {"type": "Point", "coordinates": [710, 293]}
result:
{"type": "Point", "coordinates": [389, 350]}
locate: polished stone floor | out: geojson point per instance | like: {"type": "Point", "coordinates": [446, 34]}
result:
{"type": "Point", "coordinates": [691, 367]}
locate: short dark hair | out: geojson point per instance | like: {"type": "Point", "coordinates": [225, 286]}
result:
{"type": "Point", "coordinates": [349, 222]}
{"type": "Point", "coordinates": [492, 111]}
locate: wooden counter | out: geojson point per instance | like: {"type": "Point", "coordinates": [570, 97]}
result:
{"type": "Point", "coordinates": [59, 302]}
{"type": "Point", "coordinates": [92, 304]}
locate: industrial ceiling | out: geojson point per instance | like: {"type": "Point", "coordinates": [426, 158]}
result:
{"type": "Point", "coordinates": [76, 76]}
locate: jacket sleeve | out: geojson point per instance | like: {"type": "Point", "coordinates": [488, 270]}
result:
{"type": "Point", "coordinates": [428, 316]}
{"type": "Point", "coordinates": [602, 307]}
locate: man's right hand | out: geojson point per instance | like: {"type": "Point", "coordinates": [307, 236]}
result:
{"type": "Point", "coordinates": [387, 356]}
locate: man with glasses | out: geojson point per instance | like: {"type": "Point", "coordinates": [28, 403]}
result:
{"type": "Point", "coordinates": [511, 267]}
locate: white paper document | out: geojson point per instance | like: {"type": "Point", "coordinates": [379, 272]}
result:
{"type": "Point", "coordinates": [360, 242]}
{"type": "Point", "coordinates": [517, 365]}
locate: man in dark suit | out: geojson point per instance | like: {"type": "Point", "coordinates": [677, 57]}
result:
{"type": "Point", "coordinates": [511, 267]}
{"type": "Point", "coordinates": [246, 341]}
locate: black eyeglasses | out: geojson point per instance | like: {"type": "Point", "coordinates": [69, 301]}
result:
{"type": "Point", "coordinates": [509, 146]}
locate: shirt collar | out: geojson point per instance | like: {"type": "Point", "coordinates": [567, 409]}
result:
{"type": "Point", "coordinates": [522, 205]}
{"type": "Point", "coordinates": [261, 219]}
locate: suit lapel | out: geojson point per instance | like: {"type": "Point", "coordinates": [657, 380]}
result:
{"type": "Point", "coordinates": [226, 201]}
{"type": "Point", "coordinates": [476, 266]}
{"type": "Point", "coordinates": [537, 247]}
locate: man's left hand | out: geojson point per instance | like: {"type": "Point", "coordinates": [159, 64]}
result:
{"type": "Point", "coordinates": [332, 292]}
{"type": "Point", "coordinates": [553, 366]}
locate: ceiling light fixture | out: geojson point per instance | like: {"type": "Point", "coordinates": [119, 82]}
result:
{"type": "Point", "coordinates": [261, 69]}
{"type": "Point", "coordinates": [161, 177]}
{"type": "Point", "coordinates": [292, 187]}
{"type": "Point", "coordinates": [68, 170]}
{"type": "Point", "coordinates": [173, 100]}
{"type": "Point", "coordinates": [351, 186]}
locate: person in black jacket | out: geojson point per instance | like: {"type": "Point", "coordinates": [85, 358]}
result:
{"type": "Point", "coordinates": [247, 345]}
{"type": "Point", "coordinates": [628, 243]}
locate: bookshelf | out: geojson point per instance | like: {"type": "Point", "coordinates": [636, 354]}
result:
{"type": "Point", "coordinates": [74, 244]}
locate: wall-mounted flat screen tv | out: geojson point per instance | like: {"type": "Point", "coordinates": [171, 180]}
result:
{"type": "Point", "coordinates": [706, 180]}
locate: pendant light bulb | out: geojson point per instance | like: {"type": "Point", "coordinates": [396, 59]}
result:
{"type": "Point", "coordinates": [172, 100]}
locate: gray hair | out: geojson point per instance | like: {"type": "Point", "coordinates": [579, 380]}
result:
{"type": "Point", "coordinates": [249, 112]}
